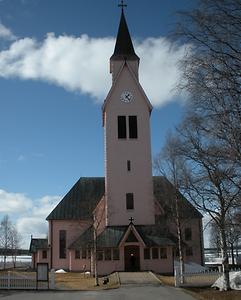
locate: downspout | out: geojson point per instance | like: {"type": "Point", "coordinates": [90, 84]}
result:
{"type": "Point", "coordinates": [51, 244]}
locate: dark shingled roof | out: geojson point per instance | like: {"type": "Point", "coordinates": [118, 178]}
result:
{"type": "Point", "coordinates": [154, 235]}
{"type": "Point", "coordinates": [38, 244]}
{"type": "Point", "coordinates": [165, 193]}
{"type": "Point", "coordinates": [80, 201]}
{"type": "Point", "coordinates": [124, 48]}
{"type": "Point", "coordinates": [112, 236]}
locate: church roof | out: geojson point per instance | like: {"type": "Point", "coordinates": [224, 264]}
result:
{"type": "Point", "coordinates": [112, 236]}
{"type": "Point", "coordinates": [80, 201]}
{"type": "Point", "coordinates": [38, 244]}
{"type": "Point", "coordinates": [165, 193]}
{"type": "Point", "coordinates": [124, 48]}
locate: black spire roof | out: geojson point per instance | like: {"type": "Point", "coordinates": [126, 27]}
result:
{"type": "Point", "coordinates": [124, 48]}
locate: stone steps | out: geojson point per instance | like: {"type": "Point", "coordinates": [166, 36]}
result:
{"type": "Point", "coordinates": [138, 278]}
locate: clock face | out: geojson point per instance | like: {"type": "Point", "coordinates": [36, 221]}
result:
{"type": "Point", "coordinates": [126, 97]}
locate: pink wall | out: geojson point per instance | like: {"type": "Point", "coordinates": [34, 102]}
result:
{"type": "Point", "coordinates": [37, 258]}
{"type": "Point", "coordinates": [197, 238]}
{"type": "Point", "coordinates": [119, 181]}
{"type": "Point", "coordinates": [161, 265]}
{"type": "Point", "coordinates": [73, 230]}
{"type": "Point", "coordinates": [76, 264]}
{"type": "Point", "coordinates": [157, 265]}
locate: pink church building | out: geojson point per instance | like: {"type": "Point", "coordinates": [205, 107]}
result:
{"type": "Point", "coordinates": [129, 211]}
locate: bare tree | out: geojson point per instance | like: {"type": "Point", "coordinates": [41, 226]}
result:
{"type": "Point", "coordinates": [15, 239]}
{"type": "Point", "coordinates": [169, 163]}
{"type": "Point", "coordinates": [214, 237]}
{"type": "Point", "coordinates": [9, 238]}
{"type": "Point", "coordinates": [211, 73]}
{"type": "Point", "coordinates": [233, 232]}
{"type": "Point", "coordinates": [212, 182]}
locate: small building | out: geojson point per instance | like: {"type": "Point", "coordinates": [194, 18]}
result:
{"type": "Point", "coordinates": [39, 251]}
{"type": "Point", "coordinates": [128, 215]}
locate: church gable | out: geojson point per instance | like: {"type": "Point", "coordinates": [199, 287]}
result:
{"type": "Point", "coordinates": [131, 236]}
{"type": "Point", "coordinates": [126, 81]}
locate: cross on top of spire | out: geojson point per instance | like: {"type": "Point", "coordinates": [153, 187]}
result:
{"type": "Point", "coordinates": [122, 5]}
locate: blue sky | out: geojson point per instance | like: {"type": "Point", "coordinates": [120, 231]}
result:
{"type": "Point", "coordinates": [54, 63]}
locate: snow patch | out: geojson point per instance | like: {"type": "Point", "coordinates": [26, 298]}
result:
{"type": "Point", "coordinates": [235, 281]}
{"type": "Point", "coordinates": [60, 271]}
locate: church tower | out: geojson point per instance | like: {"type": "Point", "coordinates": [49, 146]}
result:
{"type": "Point", "coordinates": [126, 121]}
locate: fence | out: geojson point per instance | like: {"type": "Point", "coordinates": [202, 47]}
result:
{"type": "Point", "coordinates": [199, 279]}
{"type": "Point", "coordinates": [19, 280]}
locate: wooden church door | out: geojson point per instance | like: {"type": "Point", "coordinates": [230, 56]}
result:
{"type": "Point", "coordinates": [132, 258]}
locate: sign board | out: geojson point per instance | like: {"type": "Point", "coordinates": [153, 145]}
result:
{"type": "Point", "coordinates": [42, 272]}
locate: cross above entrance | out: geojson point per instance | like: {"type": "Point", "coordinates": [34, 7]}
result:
{"type": "Point", "coordinates": [131, 220]}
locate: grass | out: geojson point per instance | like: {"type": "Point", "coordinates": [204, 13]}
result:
{"type": "Point", "coordinates": [211, 294]}
{"type": "Point", "coordinates": [72, 280]}
{"type": "Point", "coordinates": [77, 281]}
{"type": "Point", "coordinates": [204, 293]}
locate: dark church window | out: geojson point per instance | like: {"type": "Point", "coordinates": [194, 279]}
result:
{"type": "Point", "coordinates": [163, 253]}
{"type": "Point", "coordinates": [100, 255]}
{"type": "Point", "coordinates": [129, 201]}
{"type": "Point", "coordinates": [107, 254]}
{"type": "Point", "coordinates": [147, 254]}
{"type": "Point", "coordinates": [84, 253]}
{"type": "Point", "coordinates": [44, 254]}
{"type": "Point", "coordinates": [116, 254]}
{"type": "Point", "coordinates": [189, 251]}
{"type": "Point", "coordinates": [155, 253]}
{"type": "Point", "coordinates": [128, 165]}
{"type": "Point", "coordinates": [62, 244]}
{"type": "Point", "coordinates": [121, 127]}
{"type": "Point", "coordinates": [77, 254]}
{"type": "Point", "coordinates": [188, 234]}
{"type": "Point", "coordinates": [132, 127]}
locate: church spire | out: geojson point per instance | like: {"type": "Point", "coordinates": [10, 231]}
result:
{"type": "Point", "coordinates": [124, 48]}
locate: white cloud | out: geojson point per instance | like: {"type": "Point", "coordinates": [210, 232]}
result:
{"type": "Point", "coordinates": [45, 205]}
{"type": "Point", "coordinates": [6, 33]}
{"type": "Point", "coordinates": [82, 64]}
{"type": "Point", "coordinates": [32, 225]}
{"type": "Point", "coordinates": [28, 214]}
{"type": "Point", "coordinates": [14, 203]}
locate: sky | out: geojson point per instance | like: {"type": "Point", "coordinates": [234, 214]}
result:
{"type": "Point", "coordinates": [54, 77]}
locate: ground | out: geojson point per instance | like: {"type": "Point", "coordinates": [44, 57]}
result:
{"type": "Point", "coordinates": [204, 293]}
{"type": "Point", "coordinates": [77, 281]}
{"type": "Point", "coordinates": [211, 294]}
{"type": "Point", "coordinates": [123, 293]}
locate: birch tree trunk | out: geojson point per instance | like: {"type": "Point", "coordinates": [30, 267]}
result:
{"type": "Point", "coordinates": [225, 263]}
